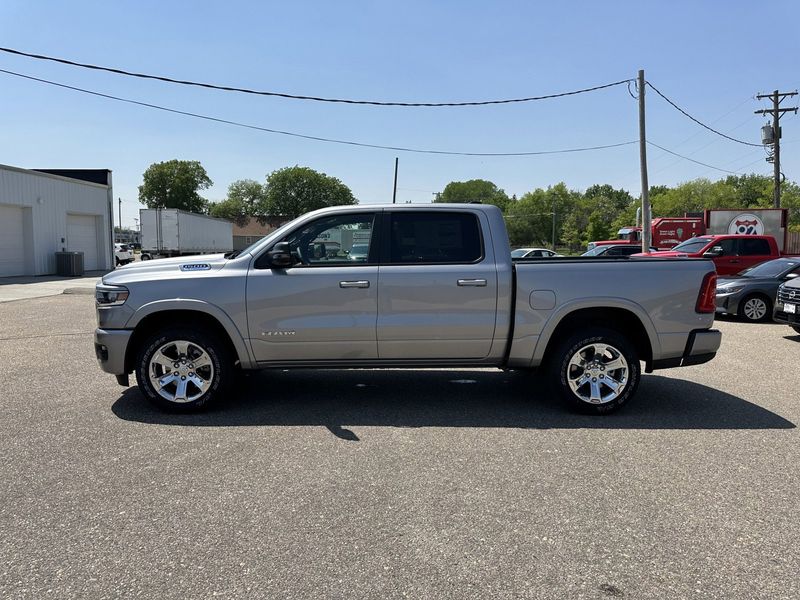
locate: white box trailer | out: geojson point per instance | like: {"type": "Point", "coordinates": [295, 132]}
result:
{"type": "Point", "coordinates": [173, 232]}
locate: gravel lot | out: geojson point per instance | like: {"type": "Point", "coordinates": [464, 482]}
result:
{"type": "Point", "coordinates": [383, 484]}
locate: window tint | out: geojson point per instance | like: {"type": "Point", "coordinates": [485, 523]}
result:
{"type": "Point", "coordinates": [728, 246]}
{"type": "Point", "coordinates": [624, 250]}
{"type": "Point", "coordinates": [434, 237]}
{"type": "Point", "coordinates": [336, 240]}
{"type": "Point", "coordinates": [692, 245]}
{"type": "Point", "coordinates": [753, 247]}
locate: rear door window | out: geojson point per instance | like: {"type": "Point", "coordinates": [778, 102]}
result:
{"type": "Point", "coordinates": [434, 237]}
{"type": "Point", "coordinates": [753, 247]}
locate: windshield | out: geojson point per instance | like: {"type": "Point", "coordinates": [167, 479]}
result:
{"type": "Point", "coordinates": [692, 245]}
{"type": "Point", "coordinates": [596, 251]}
{"type": "Point", "coordinates": [519, 253]}
{"type": "Point", "coordinates": [772, 268]}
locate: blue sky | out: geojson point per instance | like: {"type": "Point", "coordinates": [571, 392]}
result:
{"type": "Point", "coordinates": [709, 57]}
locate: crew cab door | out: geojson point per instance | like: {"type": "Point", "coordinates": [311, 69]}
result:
{"type": "Point", "coordinates": [437, 291]}
{"type": "Point", "coordinates": [727, 260]}
{"type": "Point", "coordinates": [753, 251]}
{"type": "Point", "coordinates": [324, 307]}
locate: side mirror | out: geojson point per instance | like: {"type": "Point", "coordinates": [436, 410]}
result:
{"type": "Point", "coordinates": [280, 256]}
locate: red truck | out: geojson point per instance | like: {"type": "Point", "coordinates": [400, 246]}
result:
{"type": "Point", "coordinates": [668, 232]}
{"type": "Point", "coordinates": [730, 253]}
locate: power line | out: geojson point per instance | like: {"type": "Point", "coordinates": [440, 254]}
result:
{"type": "Point", "coordinates": [310, 137]}
{"type": "Point", "coordinates": [679, 109]}
{"type": "Point", "coordinates": [226, 88]}
{"type": "Point", "coordinates": [691, 159]}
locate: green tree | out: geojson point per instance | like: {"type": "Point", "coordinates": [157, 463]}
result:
{"type": "Point", "coordinates": [530, 219]}
{"type": "Point", "coordinates": [474, 190]}
{"type": "Point", "coordinates": [175, 184]}
{"type": "Point", "coordinates": [230, 209]}
{"type": "Point", "coordinates": [293, 191]}
{"type": "Point", "coordinates": [246, 198]}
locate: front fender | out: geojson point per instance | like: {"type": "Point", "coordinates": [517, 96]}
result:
{"type": "Point", "coordinates": [151, 308]}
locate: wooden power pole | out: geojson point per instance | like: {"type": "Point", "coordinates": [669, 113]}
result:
{"type": "Point", "coordinates": [643, 163]}
{"type": "Point", "coordinates": [776, 113]}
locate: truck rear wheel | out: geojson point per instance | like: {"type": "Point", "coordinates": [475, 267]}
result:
{"type": "Point", "coordinates": [183, 370]}
{"type": "Point", "coordinates": [595, 370]}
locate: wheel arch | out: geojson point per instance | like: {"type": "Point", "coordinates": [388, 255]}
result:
{"type": "Point", "coordinates": [626, 320]}
{"type": "Point", "coordinates": [195, 314]}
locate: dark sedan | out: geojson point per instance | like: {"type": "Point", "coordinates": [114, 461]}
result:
{"type": "Point", "coordinates": [750, 294]}
{"type": "Point", "coordinates": [616, 250]}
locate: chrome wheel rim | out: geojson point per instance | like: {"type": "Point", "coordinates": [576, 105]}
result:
{"type": "Point", "coordinates": [755, 309]}
{"type": "Point", "coordinates": [181, 371]}
{"type": "Point", "coordinates": [597, 373]}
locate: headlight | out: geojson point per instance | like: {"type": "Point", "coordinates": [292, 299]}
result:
{"type": "Point", "coordinates": [110, 295]}
{"type": "Point", "coordinates": [722, 291]}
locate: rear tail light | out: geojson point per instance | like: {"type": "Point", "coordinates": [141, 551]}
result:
{"type": "Point", "coordinates": [706, 300]}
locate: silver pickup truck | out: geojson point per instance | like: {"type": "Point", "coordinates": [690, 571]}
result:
{"type": "Point", "coordinates": [402, 286]}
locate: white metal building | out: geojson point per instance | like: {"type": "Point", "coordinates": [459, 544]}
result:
{"type": "Point", "coordinates": [42, 213]}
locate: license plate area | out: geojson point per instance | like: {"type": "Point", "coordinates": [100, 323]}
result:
{"type": "Point", "coordinates": [790, 308]}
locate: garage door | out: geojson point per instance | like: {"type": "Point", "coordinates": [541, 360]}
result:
{"type": "Point", "coordinates": [82, 237]}
{"type": "Point", "coordinates": [12, 249]}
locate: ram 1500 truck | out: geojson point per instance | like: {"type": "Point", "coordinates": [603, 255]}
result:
{"type": "Point", "coordinates": [436, 287]}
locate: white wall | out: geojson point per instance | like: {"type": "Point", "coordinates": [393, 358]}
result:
{"type": "Point", "coordinates": [48, 199]}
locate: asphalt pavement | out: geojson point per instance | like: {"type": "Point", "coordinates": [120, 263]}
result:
{"type": "Point", "coordinates": [395, 483]}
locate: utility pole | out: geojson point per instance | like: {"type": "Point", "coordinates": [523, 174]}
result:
{"type": "Point", "coordinates": [776, 112]}
{"type": "Point", "coordinates": [643, 163]}
{"type": "Point", "coordinates": [394, 190]}
{"type": "Point", "coordinates": [120, 215]}
{"type": "Point", "coordinates": [554, 224]}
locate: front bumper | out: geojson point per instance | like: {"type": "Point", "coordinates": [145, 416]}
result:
{"type": "Point", "coordinates": [728, 303]}
{"type": "Point", "coordinates": [110, 346]}
{"type": "Point", "coordinates": [781, 316]}
{"type": "Point", "coordinates": [701, 346]}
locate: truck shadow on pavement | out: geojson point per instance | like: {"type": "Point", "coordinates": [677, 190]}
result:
{"type": "Point", "coordinates": [340, 400]}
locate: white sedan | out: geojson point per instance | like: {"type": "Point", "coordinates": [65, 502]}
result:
{"type": "Point", "coordinates": [533, 253]}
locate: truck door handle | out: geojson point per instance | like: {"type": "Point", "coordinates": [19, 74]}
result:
{"type": "Point", "coordinates": [354, 284]}
{"type": "Point", "coordinates": [735, 260]}
{"type": "Point", "coordinates": [472, 282]}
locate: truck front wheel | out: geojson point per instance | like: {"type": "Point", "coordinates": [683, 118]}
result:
{"type": "Point", "coordinates": [595, 370]}
{"type": "Point", "coordinates": [183, 370]}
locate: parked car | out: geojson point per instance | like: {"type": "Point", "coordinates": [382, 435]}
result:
{"type": "Point", "coordinates": [730, 253]}
{"type": "Point", "coordinates": [359, 252]}
{"type": "Point", "coordinates": [439, 289]}
{"type": "Point", "coordinates": [533, 253]}
{"type": "Point", "coordinates": [750, 294]}
{"type": "Point", "coordinates": [122, 254]}
{"type": "Point", "coordinates": [787, 304]}
{"type": "Point", "coordinates": [615, 250]}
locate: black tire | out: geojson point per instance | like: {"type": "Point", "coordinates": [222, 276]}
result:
{"type": "Point", "coordinates": [751, 306]}
{"type": "Point", "coordinates": [560, 371]}
{"type": "Point", "coordinates": [218, 377]}
{"type": "Point", "coordinates": [116, 262]}
{"type": "Point", "coordinates": [145, 256]}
